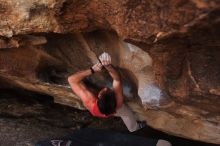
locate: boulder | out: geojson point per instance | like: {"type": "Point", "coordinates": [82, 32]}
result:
{"type": "Point", "coordinates": [167, 53]}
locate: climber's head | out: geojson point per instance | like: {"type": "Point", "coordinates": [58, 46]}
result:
{"type": "Point", "coordinates": [106, 101]}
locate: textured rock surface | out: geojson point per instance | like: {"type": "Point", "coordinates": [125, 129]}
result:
{"type": "Point", "coordinates": [139, 20]}
{"type": "Point", "coordinates": [181, 37]}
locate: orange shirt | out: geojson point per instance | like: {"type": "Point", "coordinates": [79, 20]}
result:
{"type": "Point", "coordinates": [95, 111]}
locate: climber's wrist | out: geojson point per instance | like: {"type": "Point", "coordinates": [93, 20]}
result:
{"type": "Point", "coordinates": [96, 68]}
{"type": "Point", "coordinates": [109, 67]}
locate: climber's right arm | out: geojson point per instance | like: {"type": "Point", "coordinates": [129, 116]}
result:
{"type": "Point", "coordinates": [105, 59]}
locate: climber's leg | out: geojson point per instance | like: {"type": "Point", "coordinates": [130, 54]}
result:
{"type": "Point", "coordinates": [128, 118]}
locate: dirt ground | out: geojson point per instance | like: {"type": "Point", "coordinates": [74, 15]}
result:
{"type": "Point", "coordinates": [26, 118]}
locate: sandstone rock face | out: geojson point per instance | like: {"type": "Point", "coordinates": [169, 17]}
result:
{"type": "Point", "coordinates": [166, 51]}
{"type": "Point", "coordinates": [138, 20]}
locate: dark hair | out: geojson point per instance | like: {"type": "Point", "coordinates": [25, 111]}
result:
{"type": "Point", "coordinates": [107, 103]}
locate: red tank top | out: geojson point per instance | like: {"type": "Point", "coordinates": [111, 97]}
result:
{"type": "Point", "coordinates": [95, 111]}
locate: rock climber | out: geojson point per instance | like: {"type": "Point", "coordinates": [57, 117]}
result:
{"type": "Point", "coordinates": [108, 102]}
